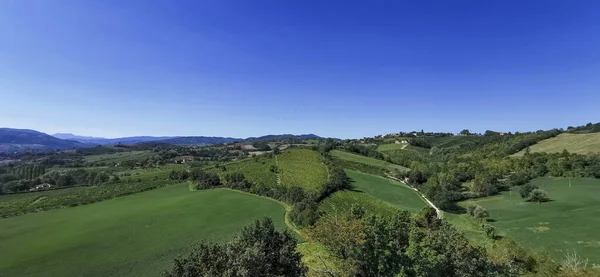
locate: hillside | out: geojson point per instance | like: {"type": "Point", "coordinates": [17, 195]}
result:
{"type": "Point", "coordinates": [574, 143]}
{"type": "Point", "coordinates": [367, 160]}
{"type": "Point", "coordinates": [23, 139]}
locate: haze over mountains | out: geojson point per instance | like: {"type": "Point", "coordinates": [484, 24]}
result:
{"type": "Point", "coordinates": [12, 140]}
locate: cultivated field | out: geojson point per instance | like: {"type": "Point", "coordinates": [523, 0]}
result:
{"type": "Point", "coordinates": [393, 192]}
{"type": "Point", "coordinates": [574, 143]}
{"type": "Point", "coordinates": [257, 170]}
{"type": "Point", "coordinates": [137, 235]}
{"type": "Point", "coordinates": [302, 168]}
{"type": "Point", "coordinates": [366, 160]}
{"type": "Point", "coordinates": [120, 156]}
{"type": "Point", "coordinates": [568, 223]}
{"type": "Point", "coordinates": [391, 146]}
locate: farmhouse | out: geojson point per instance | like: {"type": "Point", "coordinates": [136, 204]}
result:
{"type": "Point", "coordinates": [42, 186]}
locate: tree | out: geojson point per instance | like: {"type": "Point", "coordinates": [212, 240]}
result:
{"type": "Point", "coordinates": [340, 234]}
{"type": "Point", "coordinates": [480, 213]}
{"type": "Point", "coordinates": [259, 250]}
{"type": "Point", "coordinates": [525, 190]}
{"type": "Point", "coordinates": [465, 132]}
{"type": "Point", "coordinates": [538, 195]}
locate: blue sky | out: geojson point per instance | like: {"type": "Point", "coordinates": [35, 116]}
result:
{"type": "Point", "coordinates": [335, 68]}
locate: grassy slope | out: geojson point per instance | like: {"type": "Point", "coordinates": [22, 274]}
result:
{"type": "Point", "coordinates": [569, 222]}
{"type": "Point", "coordinates": [254, 169]}
{"type": "Point", "coordinates": [137, 235]}
{"type": "Point", "coordinates": [387, 190]}
{"type": "Point", "coordinates": [366, 160]}
{"type": "Point", "coordinates": [574, 143]}
{"type": "Point", "coordinates": [341, 202]}
{"type": "Point", "coordinates": [303, 168]}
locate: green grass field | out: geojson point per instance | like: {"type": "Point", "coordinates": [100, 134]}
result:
{"type": "Point", "coordinates": [393, 192]}
{"type": "Point", "coordinates": [570, 222]}
{"type": "Point", "coordinates": [366, 160]}
{"type": "Point", "coordinates": [302, 168]}
{"type": "Point", "coordinates": [137, 235]}
{"type": "Point", "coordinates": [341, 202]}
{"type": "Point", "coordinates": [574, 143]}
{"type": "Point", "coordinates": [391, 146]}
{"type": "Point", "coordinates": [255, 170]}
{"type": "Point", "coordinates": [119, 157]}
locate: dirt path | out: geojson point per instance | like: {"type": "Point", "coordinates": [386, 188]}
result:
{"type": "Point", "coordinates": [437, 210]}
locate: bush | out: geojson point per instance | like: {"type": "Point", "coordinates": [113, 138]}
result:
{"type": "Point", "coordinates": [526, 190]}
{"type": "Point", "coordinates": [538, 195]}
{"type": "Point", "coordinates": [489, 230]}
{"type": "Point", "coordinates": [480, 213]}
{"type": "Point", "coordinates": [471, 209]}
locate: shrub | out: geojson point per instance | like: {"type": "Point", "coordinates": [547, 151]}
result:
{"type": "Point", "coordinates": [480, 213]}
{"type": "Point", "coordinates": [471, 209]}
{"type": "Point", "coordinates": [526, 190]}
{"type": "Point", "coordinates": [489, 230]}
{"type": "Point", "coordinates": [538, 195]}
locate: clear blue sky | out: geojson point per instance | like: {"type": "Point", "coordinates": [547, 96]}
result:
{"type": "Point", "coordinates": [335, 68]}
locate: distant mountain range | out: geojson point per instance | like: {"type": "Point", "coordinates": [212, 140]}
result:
{"type": "Point", "coordinates": [108, 141]}
{"type": "Point", "coordinates": [23, 139]}
{"type": "Point", "coordinates": [12, 140]}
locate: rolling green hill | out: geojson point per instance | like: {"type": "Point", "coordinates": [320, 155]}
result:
{"type": "Point", "coordinates": [137, 235]}
{"type": "Point", "coordinates": [574, 143]}
{"type": "Point", "coordinates": [569, 222]}
{"type": "Point", "coordinates": [256, 170]}
{"type": "Point", "coordinates": [392, 192]}
{"type": "Point", "coordinates": [366, 160]}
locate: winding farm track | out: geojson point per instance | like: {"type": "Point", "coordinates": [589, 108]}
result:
{"type": "Point", "coordinates": [277, 173]}
{"type": "Point", "coordinates": [437, 210]}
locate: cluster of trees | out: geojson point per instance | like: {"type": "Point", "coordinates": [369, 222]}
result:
{"type": "Point", "coordinates": [486, 167]}
{"type": "Point", "coordinates": [260, 250]}
{"type": "Point", "coordinates": [369, 151]}
{"type": "Point", "coordinates": [399, 245]}
{"type": "Point", "coordinates": [533, 194]}
{"type": "Point", "coordinates": [11, 183]}
{"type": "Point", "coordinates": [420, 142]}
{"type": "Point", "coordinates": [588, 128]}
{"type": "Point", "coordinates": [261, 146]}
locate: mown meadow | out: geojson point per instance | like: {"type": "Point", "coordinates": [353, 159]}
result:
{"type": "Point", "coordinates": [136, 235]}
